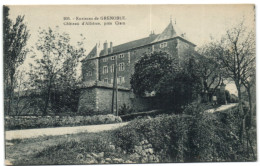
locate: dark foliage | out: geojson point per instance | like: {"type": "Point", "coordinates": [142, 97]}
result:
{"type": "Point", "coordinates": [124, 110]}
{"type": "Point", "coordinates": [65, 101]}
{"type": "Point", "coordinates": [194, 137]}
{"type": "Point", "coordinates": [152, 113]}
{"type": "Point", "coordinates": [174, 84]}
{"type": "Point", "coordinates": [149, 70]}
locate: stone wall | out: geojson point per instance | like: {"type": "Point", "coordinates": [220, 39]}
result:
{"type": "Point", "coordinates": [104, 98]}
{"type": "Point", "coordinates": [87, 100]}
{"type": "Point", "coordinates": [142, 153]}
{"type": "Point", "coordinates": [99, 99]}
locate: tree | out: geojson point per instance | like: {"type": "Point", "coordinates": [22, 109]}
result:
{"type": "Point", "coordinates": [237, 54]}
{"type": "Point", "coordinates": [173, 84]}
{"type": "Point", "coordinates": [236, 51]}
{"type": "Point", "coordinates": [23, 98]}
{"type": "Point", "coordinates": [249, 83]}
{"type": "Point", "coordinates": [209, 69]}
{"type": "Point", "coordinates": [182, 86]}
{"type": "Point", "coordinates": [149, 71]}
{"type": "Point", "coordinates": [55, 71]}
{"type": "Point", "coordinates": [15, 38]}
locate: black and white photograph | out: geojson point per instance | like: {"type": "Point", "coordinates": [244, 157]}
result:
{"type": "Point", "coordinates": [129, 84]}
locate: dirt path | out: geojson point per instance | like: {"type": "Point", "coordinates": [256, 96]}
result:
{"type": "Point", "coordinates": [33, 133]}
{"type": "Point", "coordinates": [222, 108]}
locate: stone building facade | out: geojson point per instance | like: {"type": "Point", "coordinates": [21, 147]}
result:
{"type": "Point", "coordinates": [98, 68]}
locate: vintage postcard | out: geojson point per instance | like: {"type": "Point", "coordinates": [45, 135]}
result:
{"type": "Point", "coordinates": [125, 84]}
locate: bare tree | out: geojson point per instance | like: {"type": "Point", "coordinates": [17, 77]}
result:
{"type": "Point", "coordinates": [15, 38]}
{"type": "Point", "coordinates": [236, 51]}
{"type": "Point", "coordinates": [248, 82]}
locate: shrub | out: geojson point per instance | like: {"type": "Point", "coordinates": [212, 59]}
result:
{"type": "Point", "coordinates": [127, 137]}
{"type": "Point", "coordinates": [163, 132]}
{"type": "Point", "coordinates": [26, 122]}
{"type": "Point", "coordinates": [152, 113]}
{"type": "Point", "coordinates": [192, 137]}
{"type": "Point", "coordinates": [89, 111]}
{"type": "Point", "coordinates": [124, 110]}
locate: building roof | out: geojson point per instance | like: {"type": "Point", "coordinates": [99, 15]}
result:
{"type": "Point", "coordinates": [131, 44]}
{"type": "Point", "coordinates": [93, 52]}
{"type": "Point", "coordinates": [169, 32]}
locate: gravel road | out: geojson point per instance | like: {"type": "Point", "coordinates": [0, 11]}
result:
{"type": "Point", "coordinates": [33, 133]}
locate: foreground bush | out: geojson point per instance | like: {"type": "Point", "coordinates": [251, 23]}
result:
{"type": "Point", "coordinates": [193, 137]}
{"type": "Point", "coordinates": [27, 122]}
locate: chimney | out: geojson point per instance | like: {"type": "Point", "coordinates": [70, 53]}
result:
{"type": "Point", "coordinates": [111, 47]}
{"type": "Point", "coordinates": [105, 48]}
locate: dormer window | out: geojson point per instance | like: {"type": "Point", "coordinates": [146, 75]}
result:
{"type": "Point", "coordinates": [121, 55]}
{"type": "Point", "coordinates": [163, 45]}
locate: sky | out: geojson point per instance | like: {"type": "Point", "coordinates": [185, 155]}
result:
{"type": "Point", "coordinates": [200, 23]}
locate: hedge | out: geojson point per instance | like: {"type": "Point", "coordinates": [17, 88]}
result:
{"type": "Point", "coordinates": [195, 136]}
{"type": "Point", "coordinates": [28, 122]}
{"type": "Point", "coordinates": [141, 114]}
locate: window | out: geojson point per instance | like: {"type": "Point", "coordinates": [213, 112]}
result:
{"type": "Point", "coordinates": [105, 70]}
{"type": "Point", "coordinates": [105, 60]}
{"type": "Point", "coordinates": [112, 57]}
{"type": "Point", "coordinates": [121, 55]}
{"type": "Point", "coordinates": [120, 80]}
{"type": "Point", "coordinates": [121, 66]}
{"type": "Point", "coordinates": [112, 67]}
{"type": "Point", "coordinates": [106, 80]}
{"type": "Point", "coordinates": [112, 80]}
{"type": "Point", "coordinates": [164, 44]}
